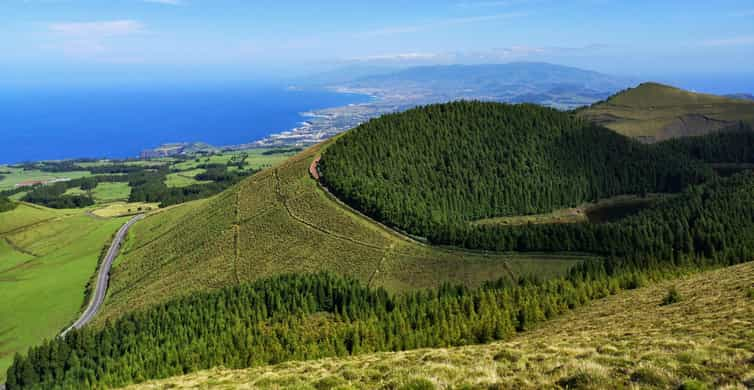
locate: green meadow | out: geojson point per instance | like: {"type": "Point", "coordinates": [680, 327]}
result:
{"type": "Point", "coordinates": [46, 260]}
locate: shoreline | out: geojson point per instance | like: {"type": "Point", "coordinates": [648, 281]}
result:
{"type": "Point", "coordinates": [317, 125]}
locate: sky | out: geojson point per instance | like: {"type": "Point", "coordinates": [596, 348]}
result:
{"type": "Point", "coordinates": [78, 41]}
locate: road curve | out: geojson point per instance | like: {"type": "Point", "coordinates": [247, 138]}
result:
{"type": "Point", "coordinates": [102, 277]}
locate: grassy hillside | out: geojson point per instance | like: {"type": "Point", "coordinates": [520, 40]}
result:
{"type": "Point", "coordinates": [655, 112]}
{"type": "Point", "coordinates": [279, 220]}
{"type": "Point", "coordinates": [46, 259]}
{"type": "Point", "coordinates": [622, 341]}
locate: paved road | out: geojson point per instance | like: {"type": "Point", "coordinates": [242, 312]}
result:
{"type": "Point", "coordinates": [102, 278]}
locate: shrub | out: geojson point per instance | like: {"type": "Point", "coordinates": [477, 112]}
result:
{"type": "Point", "coordinates": [507, 355]}
{"type": "Point", "coordinates": [329, 382]}
{"type": "Point", "coordinates": [692, 385]}
{"type": "Point", "coordinates": [750, 293]}
{"type": "Point", "coordinates": [418, 384]}
{"type": "Point", "coordinates": [580, 380]}
{"type": "Point", "coordinates": [672, 297]}
{"type": "Point", "coordinates": [647, 376]}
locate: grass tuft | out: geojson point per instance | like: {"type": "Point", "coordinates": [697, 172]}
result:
{"type": "Point", "coordinates": [508, 355]}
{"type": "Point", "coordinates": [418, 384]}
{"type": "Point", "coordinates": [693, 385]}
{"type": "Point", "coordinates": [649, 377]}
{"type": "Point", "coordinates": [672, 297]}
{"type": "Point", "coordinates": [581, 380]}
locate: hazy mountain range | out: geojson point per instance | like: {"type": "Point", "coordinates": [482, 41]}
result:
{"type": "Point", "coordinates": [532, 82]}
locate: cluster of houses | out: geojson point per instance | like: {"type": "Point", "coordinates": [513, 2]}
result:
{"type": "Point", "coordinates": [32, 183]}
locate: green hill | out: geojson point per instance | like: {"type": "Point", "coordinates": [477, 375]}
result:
{"type": "Point", "coordinates": [450, 164]}
{"type": "Point", "coordinates": [624, 341]}
{"type": "Point", "coordinates": [279, 221]}
{"type": "Point", "coordinates": [654, 112]}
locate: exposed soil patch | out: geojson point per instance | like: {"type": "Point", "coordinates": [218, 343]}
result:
{"type": "Point", "coordinates": [615, 211]}
{"type": "Point", "coordinates": [605, 210]}
{"type": "Point", "coordinates": [314, 168]}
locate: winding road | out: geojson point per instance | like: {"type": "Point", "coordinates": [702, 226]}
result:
{"type": "Point", "coordinates": [102, 277]}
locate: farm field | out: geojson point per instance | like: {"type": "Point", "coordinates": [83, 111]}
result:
{"type": "Point", "coordinates": [123, 209]}
{"type": "Point", "coordinates": [182, 175]}
{"type": "Point", "coordinates": [110, 192]}
{"type": "Point", "coordinates": [105, 192]}
{"type": "Point", "coordinates": [279, 221]}
{"type": "Point", "coordinates": [627, 340]}
{"type": "Point", "coordinates": [184, 178]}
{"type": "Point", "coordinates": [13, 176]}
{"type": "Point", "coordinates": [46, 259]}
{"type": "Point", "coordinates": [256, 159]}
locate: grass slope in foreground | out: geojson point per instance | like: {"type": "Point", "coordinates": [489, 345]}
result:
{"type": "Point", "coordinates": [655, 112]}
{"type": "Point", "coordinates": [46, 258]}
{"type": "Point", "coordinates": [280, 221]}
{"type": "Point", "coordinates": [625, 340]}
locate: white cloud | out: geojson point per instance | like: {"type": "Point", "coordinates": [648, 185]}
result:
{"type": "Point", "coordinates": [399, 57]}
{"type": "Point", "coordinates": [743, 13]}
{"type": "Point", "coordinates": [100, 41]}
{"type": "Point", "coordinates": [165, 2]}
{"type": "Point", "coordinates": [732, 41]}
{"type": "Point", "coordinates": [489, 56]}
{"type": "Point", "coordinates": [439, 24]}
{"type": "Point", "coordinates": [98, 29]}
{"type": "Point", "coordinates": [487, 4]}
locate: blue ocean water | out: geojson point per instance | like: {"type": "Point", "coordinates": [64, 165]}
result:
{"type": "Point", "coordinates": [62, 122]}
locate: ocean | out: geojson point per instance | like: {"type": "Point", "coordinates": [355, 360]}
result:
{"type": "Point", "coordinates": [118, 122]}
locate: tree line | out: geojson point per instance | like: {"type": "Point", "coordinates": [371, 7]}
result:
{"type": "Point", "coordinates": [6, 204]}
{"type": "Point", "coordinates": [149, 186]}
{"type": "Point", "coordinates": [711, 220]}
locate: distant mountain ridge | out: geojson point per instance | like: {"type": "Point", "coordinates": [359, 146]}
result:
{"type": "Point", "coordinates": [517, 82]}
{"type": "Point", "coordinates": [743, 96]}
{"type": "Point", "coordinates": [538, 73]}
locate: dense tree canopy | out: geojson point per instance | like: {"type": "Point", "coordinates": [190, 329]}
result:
{"type": "Point", "coordinates": [6, 204]}
{"type": "Point", "coordinates": [444, 164]}
{"type": "Point", "coordinates": [53, 195]}
{"type": "Point", "coordinates": [715, 219]}
{"type": "Point", "coordinates": [732, 145]}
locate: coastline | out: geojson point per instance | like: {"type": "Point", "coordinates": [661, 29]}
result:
{"type": "Point", "coordinates": [318, 125]}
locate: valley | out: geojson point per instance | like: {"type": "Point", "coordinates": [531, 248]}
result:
{"type": "Point", "coordinates": [440, 227]}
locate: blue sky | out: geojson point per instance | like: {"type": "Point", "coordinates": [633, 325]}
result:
{"type": "Point", "coordinates": [110, 40]}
